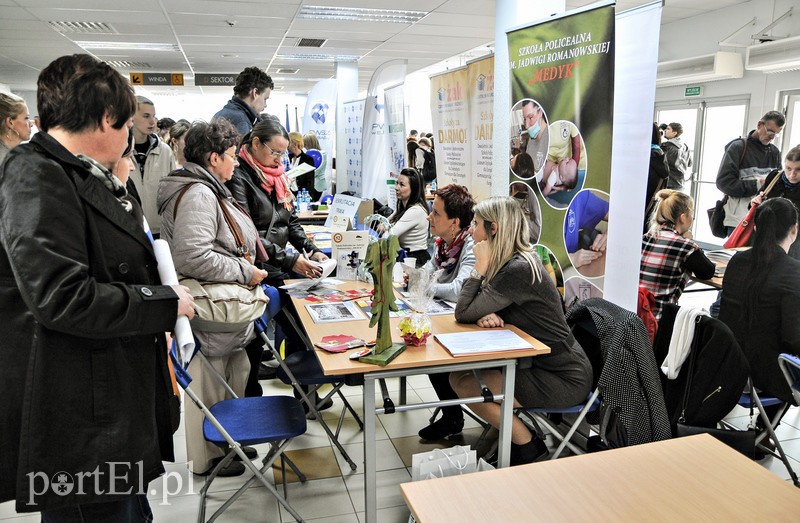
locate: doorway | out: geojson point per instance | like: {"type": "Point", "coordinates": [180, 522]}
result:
{"type": "Point", "coordinates": [708, 126]}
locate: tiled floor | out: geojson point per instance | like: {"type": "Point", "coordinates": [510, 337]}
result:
{"type": "Point", "coordinates": [334, 493]}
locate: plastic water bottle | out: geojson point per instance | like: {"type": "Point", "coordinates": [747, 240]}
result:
{"type": "Point", "coordinates": [304, 199]}
{"type": "Point", "coordinates": [433, 185]}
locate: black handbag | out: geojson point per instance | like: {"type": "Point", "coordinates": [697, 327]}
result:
{"type": "Point", "coordinates": [716, 218]}
{"type": "Point", "coordinates": [743, 441]}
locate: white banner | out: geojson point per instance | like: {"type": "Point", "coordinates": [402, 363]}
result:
{"type": "Point", "coordinates": [395, 125]}
{"type": "Point", "coordinates": [320, 119]}
{"type": "Point", "coordinates": [451, 124]}
{"type": "Point", "coordinates": [481, 109]}
{"type": "Point", "coordinates": [374, 158]}
{"type": "Point", "coordinates": [351, 163]}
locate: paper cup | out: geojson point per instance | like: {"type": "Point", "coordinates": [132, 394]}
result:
{"type": "Point", "coordinates": [411, 262]}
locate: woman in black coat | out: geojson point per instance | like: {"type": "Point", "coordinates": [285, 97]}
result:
{"type": "Point", "coordinates": [261, 187]}
{"type": "Point", "coordinates": [760, 296]}
{"type": "Point", "coordinates": [84, 381]}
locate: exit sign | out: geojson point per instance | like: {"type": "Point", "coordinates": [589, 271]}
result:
{"type": "Point", "coordinates": [693, 90]}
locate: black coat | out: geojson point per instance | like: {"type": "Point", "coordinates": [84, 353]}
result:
{"type": "Point", "coordinates": [83, 378]}
{"type": "Point", "coordinates": [774, 328]}
{"type": "Point", "coordinates": [276, 225]}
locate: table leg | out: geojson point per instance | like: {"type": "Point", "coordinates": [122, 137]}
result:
{"type": "Point", "coordinates": [506, 412]}
{"type": "Point", "coordinates": [370, 458]}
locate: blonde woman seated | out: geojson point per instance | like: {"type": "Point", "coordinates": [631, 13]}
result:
{"type": "Point", "coordinates": [669, 255]}
{"type": "Point", "coordinates": [508, 285]}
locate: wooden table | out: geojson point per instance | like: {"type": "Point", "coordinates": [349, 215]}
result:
{"type": "Point", "coordinates": [317, 217]}
{"type": "Point", "coordinates": [427, 359]}
{"type": "Point", "coordinates": [695, 478]}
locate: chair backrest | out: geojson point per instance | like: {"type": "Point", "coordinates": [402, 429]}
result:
{"type": "Point", "coordinates": [790, 365]}
{"type": "Point", "coordinates": [182, 375]}
{"type": "Point", "coordinates": [273, 307]}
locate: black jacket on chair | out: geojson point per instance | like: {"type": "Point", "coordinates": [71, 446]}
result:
{"type": "Point", "coordinates": [719, 372]}
{"type": "Point", "coordinates": [276, 225]}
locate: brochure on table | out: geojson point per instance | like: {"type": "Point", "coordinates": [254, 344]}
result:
{"type": "Point", "coordinates": [480, 342]}
{"type": "Point", "coordinates": [330, 312]}
{"type": "Point", "coordinates": [342, 212]}
{"type": "Point", "coordinates": [348, 248]}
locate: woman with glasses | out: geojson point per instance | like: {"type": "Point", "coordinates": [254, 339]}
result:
{"type": "Point", "coordinates": [262, 189]}
{"type": "Point", "coordinates": [204, 247]}
{"type": "Point", "coordinates": [508, 285]}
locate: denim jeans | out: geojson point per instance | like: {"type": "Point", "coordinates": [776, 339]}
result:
{"type": "Point", "coordinates": [130, 509]}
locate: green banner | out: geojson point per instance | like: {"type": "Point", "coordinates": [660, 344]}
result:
{"type": "Point", "coordinates": [562, 90]}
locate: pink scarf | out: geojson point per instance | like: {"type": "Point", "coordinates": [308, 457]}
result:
{"type": "Point", "coordinates": [271, 178]}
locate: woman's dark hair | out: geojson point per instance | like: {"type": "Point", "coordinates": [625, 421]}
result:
{"type": "Point", "coordinates": [178, 129]}
{"type": "Point", "coordinates": [773, 220]}
{"type": "Point", "coordinates": [129, 149]}
{"type": "Point", "coordinates": [165, 123]}
{"type": "Point", "coordinates": [523, 166]}
{"type": "Point", "coordinates": [265, 130]}
{"type": "Point", "coordinates": [458, 203]}
{"type": "Point", "coordinates": [417, 196]}
{"type": "Point", "coordinates": [76, 92]}
{"type": "Point", "coordinates": [203, 138]}
{"type": "Point", "coordinates": [656, 140]}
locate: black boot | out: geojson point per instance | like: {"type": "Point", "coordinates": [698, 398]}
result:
{"type": "Point", "coordinates": [534, 450]}
{"type": "Point", "coordinates": [442, 428]}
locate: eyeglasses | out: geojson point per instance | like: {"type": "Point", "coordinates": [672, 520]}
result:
{"type": "Point", "coordinates": [276, 154]}
{"type": "Point", "coordinates": [231, 156]}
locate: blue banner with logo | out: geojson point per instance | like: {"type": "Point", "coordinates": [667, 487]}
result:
{"type": "Point", "coordinates": [320, 119]}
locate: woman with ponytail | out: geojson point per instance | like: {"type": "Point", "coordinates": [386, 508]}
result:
{"type": "Point", "coordinates": [507, 285]}
{"type": "Point", "coordinates": [669, 255]}
{"type": "Point", "coordinates": [261, 187]}
{"type": "Point", "coordinates": [761, 296]}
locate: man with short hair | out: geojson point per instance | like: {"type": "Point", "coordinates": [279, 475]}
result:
{"type": "Point", "coordinates": [152, 159]}
{"type": "Point", "coordinates": [746, 164]}
{"type": "Point", "coordinates": [536, 135]}
{"type": "Point", "coordinates": [250, 94]}
{"type": "Point", "coordinates": [88, 406]}
{"type": "Point", "coordinates": [679, 159]}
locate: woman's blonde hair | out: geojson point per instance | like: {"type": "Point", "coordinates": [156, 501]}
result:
{"type": "Point", "coordinates": [512, 234]}
{"type": "Point", "coordinates": [10, 107]}
{"type": "Point", "coordinates": [311, 141]}
{"type": "Point", "coordinates": [670, 204]}
{"type": "Point", "coordinates": [297, 139]}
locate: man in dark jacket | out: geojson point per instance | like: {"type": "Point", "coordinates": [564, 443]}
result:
{"type": "Point", "coordinates": [250, 95]}
{"type": "Point", "coordinates": [85, 420]}
{"type": "Point", "coordinates": [745, 165]}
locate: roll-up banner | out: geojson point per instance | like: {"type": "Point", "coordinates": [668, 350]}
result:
{"type": "Point", "coordinates": [451, 123]}
{"type": "Point", "coordinates": [562, 91]}
{"type": "Point", "coordinates": [395, 126]}
{"type": "Point", "coordinates": [354, 112]}
{"type": "Point", "coordinates": [320, 119]}
{"type": "Point", "coordinates": [480, 79]}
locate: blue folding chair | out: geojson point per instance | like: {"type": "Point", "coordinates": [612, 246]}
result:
{"type": "Point", "coordinates": [238, 422]}
{"type": "Point", "coordinates": [302, 369]}
{"type": "Point", "coordinates": [752, 399]}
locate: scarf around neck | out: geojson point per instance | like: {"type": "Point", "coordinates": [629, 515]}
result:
{"type": "Point", "coordinates": [271, 178]}
{"type": "Point", "coordinates": [111, 182]}
{"type": "Point", "coordinates": [447, 255]}
{"type": "Point", "coordinates": [789, 185]}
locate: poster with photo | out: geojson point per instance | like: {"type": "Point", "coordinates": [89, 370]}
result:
{"type": "Point", "coordinates": [562, 106]}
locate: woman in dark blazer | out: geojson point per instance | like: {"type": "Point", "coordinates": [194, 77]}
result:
{"type": "Point", "coordinates": [760, 296]}
{"type": "Point", "coordinates": [261, 187]}
{"type": "Point", "coordinates": [84, 379]}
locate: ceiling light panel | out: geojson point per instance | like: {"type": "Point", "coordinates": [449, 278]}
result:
{"type": "Point", "coordinates": [319, 57]}
{"type": "Point", "coordinates": [139, 46]}
{"type": "Point", "coordinates": [356, 14]}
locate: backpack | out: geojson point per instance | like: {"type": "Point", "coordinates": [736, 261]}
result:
{"type": "Point", "coordinates": [429, 167]}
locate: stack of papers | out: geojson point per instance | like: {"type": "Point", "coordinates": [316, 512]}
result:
{"type": "Point", "coordinates": [481, 342]}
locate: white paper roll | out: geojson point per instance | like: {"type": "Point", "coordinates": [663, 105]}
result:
{"type": "Point", "coordinates": [166, 271]}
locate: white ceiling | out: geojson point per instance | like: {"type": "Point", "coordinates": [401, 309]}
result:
{"type": "Point", "coordinates": [225, 36]}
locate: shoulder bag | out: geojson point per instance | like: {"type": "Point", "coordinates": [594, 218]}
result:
{"type": "Point", "coordinates": [225, 306]}
{"type": "Point", "coordinates": [716, 214]}
{"type": "Point", "coordinates": [741, 235]}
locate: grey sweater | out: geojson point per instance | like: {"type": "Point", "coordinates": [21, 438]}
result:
{"type": "Point", "coordinates": [534, 307]}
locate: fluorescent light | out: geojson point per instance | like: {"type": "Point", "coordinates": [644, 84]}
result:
{"type": "Point", "coordinates": [356, 14]}
{"type": "Point", "coordinates": [774, 57]}
{"type": "Point", "coordinates": [319, 57]}
{"type": "Point", "coordinates": [137, 46]}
